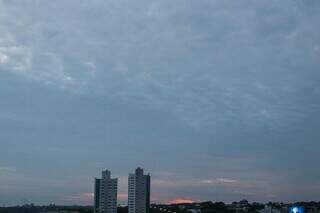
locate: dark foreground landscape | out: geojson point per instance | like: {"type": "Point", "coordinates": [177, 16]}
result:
{"type": "Point", "coordinates": [203, 207]}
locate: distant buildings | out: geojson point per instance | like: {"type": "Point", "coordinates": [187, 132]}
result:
{"type": "Point", "coordinates": [105, 193]}
{"type": "Point", "coordinates": [138, 192]}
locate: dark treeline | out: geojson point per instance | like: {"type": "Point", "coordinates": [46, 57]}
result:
{"type": "Point", "coordinates": [30, 208]}
{"type": "Point", "coordinates": [204, 207]}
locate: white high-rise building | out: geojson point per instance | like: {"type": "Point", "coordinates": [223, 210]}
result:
{"type": "Point", "coordinates": [105, 194]}
{"type": "Point", "coordinates": [138, 192]}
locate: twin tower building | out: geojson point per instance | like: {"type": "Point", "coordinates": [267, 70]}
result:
{"type": "Point", "coordinates": [105, 193]}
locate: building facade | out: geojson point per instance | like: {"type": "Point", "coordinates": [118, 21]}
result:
{"type": "Point", "coordinates": [105, 193]}
{"type": "Point", "coordinates": [97, 195]}
{"type": "Point", "coordinates": [138, 192]}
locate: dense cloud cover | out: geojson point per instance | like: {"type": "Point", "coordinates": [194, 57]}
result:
{"type": "Point", "coordinates": [217, 99]}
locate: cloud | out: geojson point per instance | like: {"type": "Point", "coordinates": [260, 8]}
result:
{"type": "Point", "coordinates": [3, 58]}
{"type": "Point", "coordinates": [14, 58]}
{"type": "Point", "coordinates": [224, 180]}
{"type": "Point", "coordinates": [7, 173]}
{"type": "Point", "coordinates": [211, 92]}
{"type": "Point", "coordinates": [153, 52]}
{"type": "Point", "coordinates": [90, 65]}
{"type": "Point", "coordinates": [7, 170]}
{"type": "Point", "coordinates": [244, 193]}
{"type": "Point", "coordinates": [219, 181]}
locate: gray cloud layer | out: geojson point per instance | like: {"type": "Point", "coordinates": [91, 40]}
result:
{"type": "Point", "coordinates": [206, 89]}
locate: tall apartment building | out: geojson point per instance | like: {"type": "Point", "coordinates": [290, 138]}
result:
{"type": "Point", "coordinates": [105, 193]}
{"type": "Point", "coordinates": [138, 192]}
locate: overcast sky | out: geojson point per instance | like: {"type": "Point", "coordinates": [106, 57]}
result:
{"type": "Point", "coordinates": [217, 99]}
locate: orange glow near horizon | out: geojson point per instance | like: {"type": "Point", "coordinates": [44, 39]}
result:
{"type": "Point", "coordinates": [122, 196]}
{"type": "Point", "coordinates": [180, 201]}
